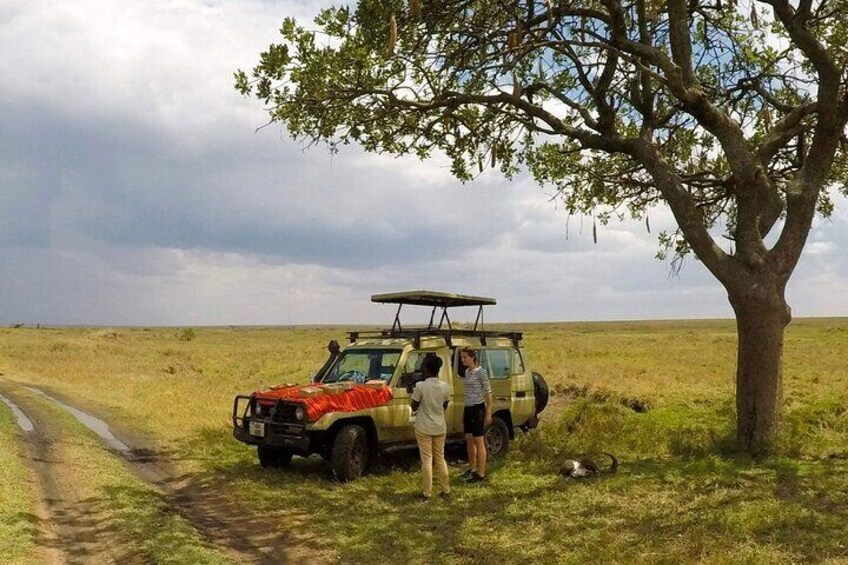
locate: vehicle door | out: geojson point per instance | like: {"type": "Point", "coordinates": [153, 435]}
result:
{"type": "Point", "coordinates": [411, 372]}
{"type": "Point", "coordinates": [457, 404]}
{"type": "Point", "coordinates": [498, 363]}
{"type": "Point", "coordinates": [523, 398]}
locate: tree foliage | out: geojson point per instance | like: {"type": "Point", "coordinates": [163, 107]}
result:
{"type": "Point", "coordinates": [717, 108]}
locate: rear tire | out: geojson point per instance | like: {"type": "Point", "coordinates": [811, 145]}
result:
{"type": "Point", "coordinates": [273, 458]}
{"type": "Point", "coordinates": [540, 388]}
{"type": "Point", "coordinates": [350, 453]}
{"type": "Point", "coordinates": [497, 437]}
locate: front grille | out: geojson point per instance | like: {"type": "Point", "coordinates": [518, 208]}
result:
{"type": "Point", "coordinates": [279, 412]}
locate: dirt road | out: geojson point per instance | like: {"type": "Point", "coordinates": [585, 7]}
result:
{"type": "Point", "coordinates": [75, 528]}
{"type": "Point", "coordinates": [72, 528]}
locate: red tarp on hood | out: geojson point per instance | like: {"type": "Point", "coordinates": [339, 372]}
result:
{"type": "Point", "coordinates": [360, 397]}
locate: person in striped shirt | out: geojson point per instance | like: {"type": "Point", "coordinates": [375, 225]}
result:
{"type": "Point", "coordinates": [476, 415]}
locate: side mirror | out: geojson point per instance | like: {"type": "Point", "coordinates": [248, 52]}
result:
{"type": "Point", "coordinates": [334, 350]}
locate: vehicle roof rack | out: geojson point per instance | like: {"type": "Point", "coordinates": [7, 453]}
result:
{"type": "Point", "coordinates": [415, 334]}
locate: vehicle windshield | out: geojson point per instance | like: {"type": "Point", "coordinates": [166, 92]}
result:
{"type": "Point", "coordinates": [360, 365]}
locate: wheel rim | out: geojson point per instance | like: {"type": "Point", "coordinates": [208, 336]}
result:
{"type": "Point", "coordinates": [494, 440]}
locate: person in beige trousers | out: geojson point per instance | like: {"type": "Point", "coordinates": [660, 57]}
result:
{"type": "Point", "coordinates": [430, 400]}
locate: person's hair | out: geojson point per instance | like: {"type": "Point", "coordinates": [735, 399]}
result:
{"type": "Point", "coordinates": [431, 365]}
{"type": "Point", "coordinates": [470, 352]}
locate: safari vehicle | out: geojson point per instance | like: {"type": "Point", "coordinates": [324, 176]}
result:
{"type": "Point", "coordinates": [281, 427]}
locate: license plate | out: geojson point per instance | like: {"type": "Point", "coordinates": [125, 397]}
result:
{"type": "Point", "coordinates": [257, 429]}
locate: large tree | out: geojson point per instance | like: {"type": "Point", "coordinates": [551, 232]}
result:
{"type": "Point", "coordinates": [731, 114]}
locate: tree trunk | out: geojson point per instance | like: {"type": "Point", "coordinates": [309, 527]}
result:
{"type": "Point", "coordinates": [761, 319]}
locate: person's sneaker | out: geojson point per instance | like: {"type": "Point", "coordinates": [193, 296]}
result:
{"type": "Point", "coordinates": [468, 474]}
{"type": "Point", "coordinates": [423, 498]}
{"type": "Point", "coordinates": [445, 496]}
{"type": "Point", "coordinates": [475, 478]}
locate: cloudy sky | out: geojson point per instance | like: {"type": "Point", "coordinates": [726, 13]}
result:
{"type": "Point", "coordinates": [135, 190]}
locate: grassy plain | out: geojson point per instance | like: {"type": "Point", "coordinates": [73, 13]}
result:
{"type": "Point", "coordinates": [682, 493]}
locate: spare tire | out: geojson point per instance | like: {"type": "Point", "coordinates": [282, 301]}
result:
{"type": "Point", "coordinates": [540, 388]}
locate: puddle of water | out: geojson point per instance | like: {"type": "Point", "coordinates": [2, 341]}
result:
{"type": "Point", "coordinates": [93, 423]}
{"type": "Point", "coordinates": [24, 422]}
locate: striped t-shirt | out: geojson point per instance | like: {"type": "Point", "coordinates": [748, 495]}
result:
{"type": "Point", "coordinates": [477, 386]}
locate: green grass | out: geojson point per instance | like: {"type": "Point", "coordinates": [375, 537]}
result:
{"type": "Point", "coordinates": [657, 509]}
{"type": "Point", "coordinates": [18, 521]}
{"type": "Point", "coordinates": [682, 493]}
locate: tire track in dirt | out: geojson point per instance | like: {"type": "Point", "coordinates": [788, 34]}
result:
{"type": "Point", "coordinates": [46, 536]}
{"type": "Point", "coordinates": [24, 423]}
{"type": "Point", "coordinates": [72, 529]}
{"type": "Point", "coordinates": [244, 537]}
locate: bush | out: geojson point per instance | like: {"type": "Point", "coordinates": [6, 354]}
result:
{"type": "Point", "coordinates": [585, 426]}
{"type": "Point", "coordinates": [186, 334]}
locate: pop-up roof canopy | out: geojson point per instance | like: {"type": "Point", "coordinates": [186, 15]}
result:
{"type": "Point", "coordinates": [435, 300]}
{"type": "Point", "coordinates": [443, 300]}
{"type": "Point", "coordinates": [432, 298]}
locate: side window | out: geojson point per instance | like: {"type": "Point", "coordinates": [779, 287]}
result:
{"type": "Point", "coordinates": [497, 363]}
{"type": "Point", "coordinates": [414, 361]}
{"type": "Point", "coordinates": [412, 370]}
{"type": "Point", "coordinates": [517, 362]}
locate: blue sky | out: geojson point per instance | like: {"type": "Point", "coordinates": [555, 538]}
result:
{"type": "Point", "coordinates": [135, 190]}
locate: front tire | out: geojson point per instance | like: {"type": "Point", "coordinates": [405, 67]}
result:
{"type": "Point", "coordinates": [350, 453]}
{"type": "Point", "coordinates": [273, 458]}
{"type": "Point", "coordinates": [497, 437]}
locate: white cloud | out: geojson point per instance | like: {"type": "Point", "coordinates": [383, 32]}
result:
{"type": "Point", "coordinates": [166, 65]}
{"type": "Point", "coordinates": [819, 248]}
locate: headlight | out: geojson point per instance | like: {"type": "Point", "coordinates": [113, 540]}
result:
{"type": "Point", "coordinates": [299, 413]}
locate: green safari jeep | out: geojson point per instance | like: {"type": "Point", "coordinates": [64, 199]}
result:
{"type": "Point", "coordinates": [349, 440]}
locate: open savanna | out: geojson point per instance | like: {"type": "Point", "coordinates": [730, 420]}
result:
{"type": "Point", "coordinates": [657, 394]}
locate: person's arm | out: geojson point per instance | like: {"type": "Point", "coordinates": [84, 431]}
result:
{"type": "Point", "coordinates": [488, 399]}
{"type": "Point", "coordinates": [416, 398]}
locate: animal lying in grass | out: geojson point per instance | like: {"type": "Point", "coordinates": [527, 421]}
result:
{"type": "Point", "coordinates": [584, 467]}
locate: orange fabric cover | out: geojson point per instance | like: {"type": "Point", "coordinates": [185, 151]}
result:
{"type": "Point", "coordinates": [358, 398]}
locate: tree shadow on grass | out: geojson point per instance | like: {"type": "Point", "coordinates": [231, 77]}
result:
{"type": "Point", "coordinates": [796, 507]}
{"type": "Point", "coordinates": [159, 527]}
{"type": "Point", "coordinates": [688, 508]}
{"type": "Point", "coordinates": [20, 525]}
{"type": "Point", "coordinates": [85, 534]}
